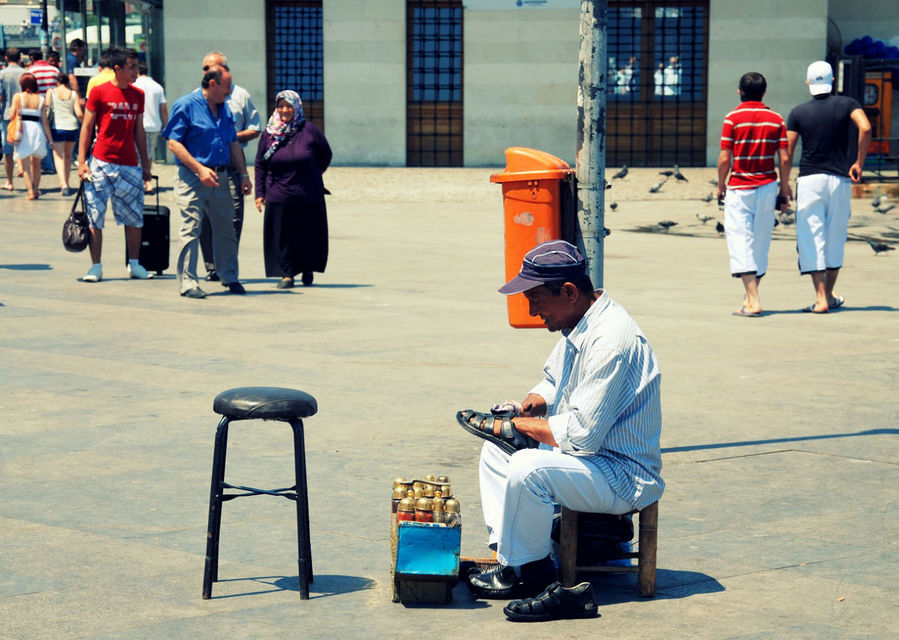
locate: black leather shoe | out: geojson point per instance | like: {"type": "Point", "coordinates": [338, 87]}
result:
{"type": "Point", "coordinates": [307, 278]}
{"type": "Point", "coordinates": [235, 287]}
{"type": "Point", "coordinates": [503, 582]}
{"type": "Point", "coordinates": [554, 603]}
{"type": "Point", "coordinates": [196, 292]}
{"type": "Point", "coordinates": [212, 276]}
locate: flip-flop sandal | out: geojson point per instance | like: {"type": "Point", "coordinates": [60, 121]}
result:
{"type": "Point", "coordinates": [837, 302]}
{"type": "Point", "coordinates": [497, 429]}
{"type": "Point", "coordinates": [811, 309]}
{"type": "Point", "coordinates": [742, 313]}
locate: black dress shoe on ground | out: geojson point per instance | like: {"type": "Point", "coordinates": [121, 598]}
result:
{"type": "Point", "coordinates": [503, 582]}
{"type": "Point", "coordinates": [235, 287]}
{"type": "Point", "coordinates": [212, 276]}
{"type": "Point", "coordinates": [307, 278]}
{"type": "Point", "coordinates": [285, 283]}
{"type": "Point", "coordinates": [554, 603]}
{"type": "Point", "coordinates": [196, 292]}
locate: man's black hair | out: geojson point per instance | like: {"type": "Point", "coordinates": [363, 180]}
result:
{"type": "Point", "coordinates": [142, 68]}
{"type": "Point", "coordinates": [36, 54]}
{"type": "Point", "coordinates": [752, 86]}
{"type": "Point", "coordinates": [583, 284]}
{"type": "Point", "coordinates": [13, 55]}
{"type": "Point", "coordinates": [118, 56]}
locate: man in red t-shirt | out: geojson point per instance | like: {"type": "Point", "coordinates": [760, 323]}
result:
{"type": "Point", "coordinates": [751, 137]}
{"type": "Point", "coordinates": [116, 109]}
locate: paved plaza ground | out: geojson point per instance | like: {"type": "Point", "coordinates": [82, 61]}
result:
{"type": "Point", "coordinates": [780, 439]}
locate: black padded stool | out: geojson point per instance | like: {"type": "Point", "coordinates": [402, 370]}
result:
{"type": "Point", "coordinates": [260, 403]}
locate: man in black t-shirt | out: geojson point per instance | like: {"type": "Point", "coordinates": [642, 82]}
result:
{"type": "Point", "coordinates": [823, 189]}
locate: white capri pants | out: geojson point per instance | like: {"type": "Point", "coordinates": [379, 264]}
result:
{"type": "Point", "coordinates": [822, 220]}
{"type": "Point", "coordinates": [748, 222]}
{"type": "Point", "coordinates": [518, 492]}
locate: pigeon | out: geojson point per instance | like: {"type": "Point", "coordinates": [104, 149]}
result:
{"type": "Point", "coordinates": [655, 188]}
{"type": "Point", "coordinates": [886, 208]}
{"type": "Point", "coordinates": [709, 197]}
{"type": "Point", "coordinates": [608, 185]}
{"type": "Point", "coordinates": [613, 206]}
{"type": "Point", "coordinates": [704, 219]}
{"type": "Point", "coordinates": [677, 174]}
{"type": "Point", "coordinates": [667, 173]}
{"type": "Point", "coordinates": [714, 183]}
{"type": "Point", "coordinates": [880, 247]}
{"type": "Point", "coordinates": [667, 224]}
{"type": "Point", "coordinates": [621, 173]}
{"type": "Point", "coordinates": [606, 232]}
{"type": "Point", "coordinates": [876, 201]}
{"type": "Point", "coordinates": [719, 228]}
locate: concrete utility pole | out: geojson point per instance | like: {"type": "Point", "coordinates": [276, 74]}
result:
{"type": "Point", "coordinates": [591, 139]}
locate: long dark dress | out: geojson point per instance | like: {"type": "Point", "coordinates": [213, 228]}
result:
{"type": "Point", "coordinates": [295, 229]}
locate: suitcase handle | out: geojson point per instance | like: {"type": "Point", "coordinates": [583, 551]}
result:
{"type": "Point", "coordinates": [156, 191]}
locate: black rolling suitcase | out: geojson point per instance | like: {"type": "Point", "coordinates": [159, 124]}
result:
{"type": "Point", "coordinates": [154, 240]}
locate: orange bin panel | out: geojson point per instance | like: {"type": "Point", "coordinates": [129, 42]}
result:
{"type": "Point", "coordinates": [531, 210]}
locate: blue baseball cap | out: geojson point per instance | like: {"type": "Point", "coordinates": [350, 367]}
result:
{"type": "Point", "coordinates": [547, 262]}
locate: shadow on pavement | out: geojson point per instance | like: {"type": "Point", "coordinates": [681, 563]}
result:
{"type": "Point", "coordinates": [670, 584]}
{"type": "Point", "coordinates": [324, 585]}
{"type": "Point", "coordinates": [27, 267]}
{"type": "Point", "coordinates": [749, 443]}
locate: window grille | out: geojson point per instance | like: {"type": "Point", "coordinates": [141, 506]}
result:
{"type": "Point", "coordinates": [434, 83]}
{"type": "Point", "coordinates": [295, 54]}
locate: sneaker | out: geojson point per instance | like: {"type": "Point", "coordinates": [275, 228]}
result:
{"type": "Point", "coordinates": [95, 274]}
{"type": "Point", "coordinates": [138, 272]}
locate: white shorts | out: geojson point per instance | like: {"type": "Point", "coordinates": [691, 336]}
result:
{"type": "Point", "coordinates": [822, 220]}
{"type": "Point", "coordinates": [748, 221]}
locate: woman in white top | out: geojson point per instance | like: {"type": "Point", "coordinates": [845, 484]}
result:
{"type": "Point", "coordinates": [62, 103]}
{"type": "Point", "coordinates": [35, 132]}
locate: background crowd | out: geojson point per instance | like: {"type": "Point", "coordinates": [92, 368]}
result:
{"type": "Point", "coordinates": [207, 133]}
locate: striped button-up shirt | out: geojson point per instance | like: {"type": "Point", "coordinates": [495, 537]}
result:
{"type": "Point", "coordinates": [601, 385]}
{"type": "Point", "coordinates": [755, 133]}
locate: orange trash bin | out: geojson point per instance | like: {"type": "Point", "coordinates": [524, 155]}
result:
{"type": "Point", "coordinates": [532, 214]}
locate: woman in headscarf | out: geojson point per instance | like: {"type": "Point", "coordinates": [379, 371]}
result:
{"type": "Point", "coordinates": [292, 155]}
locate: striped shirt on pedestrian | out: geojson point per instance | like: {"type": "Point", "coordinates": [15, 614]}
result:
{"type": "Point", "coordinates": [755, 133]}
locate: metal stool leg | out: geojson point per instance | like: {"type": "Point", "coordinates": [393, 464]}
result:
{"type": "Point", "coordinates": [304, 547]}
{"type": "Point", "coordinates": [646, 560]}
{"type": "Point", "coordinates": [215, 508]}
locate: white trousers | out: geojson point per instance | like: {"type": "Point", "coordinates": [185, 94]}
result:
{"type": "Point", "coordinates": [518, 492]}
{"type": "Point", "coordinates": [748, 222]}
{"type": "Point", "coordinates": [822, 220]}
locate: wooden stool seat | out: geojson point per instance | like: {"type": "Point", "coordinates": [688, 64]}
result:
{"type": "Point", "coordinates": [260, 403]}
{"type": "Point", "coordinates": [646, 551]}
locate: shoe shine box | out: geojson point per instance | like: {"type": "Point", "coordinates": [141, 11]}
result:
{"type": "Point", "coordinates": [426, 566]}
{"type": "Point", "coordinates": [425, 540]}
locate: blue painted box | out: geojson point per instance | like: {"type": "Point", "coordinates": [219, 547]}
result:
{"type": "Point", "coordinates": [427, 562]}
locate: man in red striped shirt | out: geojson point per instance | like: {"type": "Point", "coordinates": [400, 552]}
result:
{"type": "Point", "coordinates": [751, 137]}
{"type": "Point", "coordinates": [44, 72]}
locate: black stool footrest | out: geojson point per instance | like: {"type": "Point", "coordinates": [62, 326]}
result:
{"type": "Point", "coordinates": [264, 403]}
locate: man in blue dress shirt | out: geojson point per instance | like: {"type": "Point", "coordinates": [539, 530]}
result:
{"type": "Point", "coordinates": [201, 135]}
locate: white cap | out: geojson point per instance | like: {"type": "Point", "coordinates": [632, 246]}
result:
{"type": "Point", "coordinates": [820, 78]}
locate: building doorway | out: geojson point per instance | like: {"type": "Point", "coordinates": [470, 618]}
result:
{"type": "Point", "coordinates": [295, 54]}
{"type": "Point", "coordinates": [657, 82]}
{"type": "Point", "coordinates": [434, 83]}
